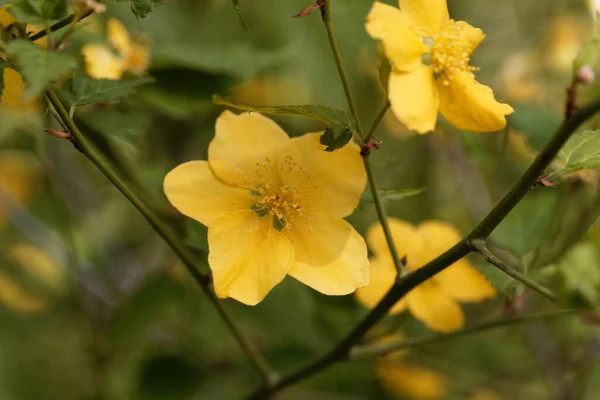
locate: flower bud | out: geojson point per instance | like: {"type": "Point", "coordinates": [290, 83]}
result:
{"type": "Point", "coordinates": [585, 74]}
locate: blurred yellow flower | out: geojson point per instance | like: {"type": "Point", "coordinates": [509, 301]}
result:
{"type": "Point", "coordinates": [565, 39]}
{"type": "Point", "coordinates": [20, 176]}
{"type": "Point", "coordinates": [519, 76]}
{"type": "Point", "coordinates": [274, 206]}
{"type": "Point", "coordinates": [106, 62]}
{"type": "Point", "coordinates": [418, 90]}
{"type": "Point", "coordinates": [6, 18]}
{"type": "Point", "coordinates": [38, 266]}
{"type": "Point", "coordinates": [483, 394]}
{"type": "Point", "coordinates": [14, 87]}
{"type": "Point", "coordinates": [409, 381]}
{"type": "Point", "coordinates": [435, 301]}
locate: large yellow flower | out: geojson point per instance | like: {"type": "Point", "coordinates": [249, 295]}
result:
{"type": "Point", "coordinates": [274, 206]}
{"type": "Point", "coordinates": [446, 82]}
{"type": "Point", "coordinates": [104, 62]}
{"type": "Point", "coordinates": [435, 301]}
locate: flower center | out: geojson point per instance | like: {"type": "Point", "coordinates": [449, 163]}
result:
{"type": "Point", "coordinates": [276, 197]}
{"type": "Point", "coordinates": [451, 51]}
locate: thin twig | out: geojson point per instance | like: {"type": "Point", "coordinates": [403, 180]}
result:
{"type": "Point", "coordinates": [381, 349]}
{"type": "Point", "coordinates": [381, 214]}
{"type": "Point", "coordinates": [371, 132]}
{"type": "Point", "coordinates": [326, 12]}
{"type": "Point", "coordinates": [73, 18]}
{"type": "Point", "coordinates": [480, 248]}
{"type": "Point", "coordinates": [188, 258]}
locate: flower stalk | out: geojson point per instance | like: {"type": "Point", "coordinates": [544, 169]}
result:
{"type": "Point", "coordinates": [480, 248]}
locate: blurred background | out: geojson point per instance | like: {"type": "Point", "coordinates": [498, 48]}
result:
{"type": "Point", "coordinates": [93, 305]}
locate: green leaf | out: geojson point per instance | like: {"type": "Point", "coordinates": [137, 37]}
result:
{"type": "Point", "coordinates": [580, 270]}
{"type": "Point", "coordinates": [38, 11]}
{"type": "Point", "coordinates": [82, 90]}
{"type": "Point", "coordinates": [340, 125]}
{"type": "Point", "coordinates": [389, 195]}
{"type": "Point", "coordinates": [335, 138]}
{"type": "Point", "coordinates": [582, 151]}
{"type": "Point", "coordinates": [141, 8]}
{"type": "Point", "coordinates": [38, 66]}
{"type": "Point", "coordinates": [329, 116]}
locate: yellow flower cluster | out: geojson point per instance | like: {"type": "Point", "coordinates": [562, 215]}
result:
{"type": "Point", "coordinates": [429, 54]}
{"type": "Point", "coordinates": [435, 301]}
{"type": "Point", "coordinates": [274, 206]}
{"type": "Point", "coordinates": [121, 55]}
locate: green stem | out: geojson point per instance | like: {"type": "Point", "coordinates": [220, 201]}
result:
{"type": "Point", "coordinates": [188, 258]}
{"type": "Point", "coordinates": [381, 214]}
{"type": "Point", "coordinates": [71, 19]}
{"type": "Point", "coordinates": [381, 349]}
{"type": "Point", "coordinates": [458, 251]}
{"type": "Point", "coordinates": [378, 119]}
{"type": "Point", "coordinates": [479, 247]}
{"type": "Point", "coordinates": [326, 7]}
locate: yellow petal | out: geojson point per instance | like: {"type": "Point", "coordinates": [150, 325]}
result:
{"type": "Point", "coordinates": [194, 190]}
{"type": "Point", "coordinates": [412, 382]}
{"type": "Point", "coordinates": [37, 263]}
{"type": "Point", "coordinates": [427, 17]}
{"type": "Point", "coordinates": [470, 105]}
{"type": "Point", "coordinates": [464, 283]}
{"type": "Point", "coordinates": [414, 98]}
{"type": "Point", "coordinates": [430, 304]}
{"type": "Point", "coordinates": [12, 95]}
{"type": "Point", "coordinates": [403, 47]}
{"type": "Point", "coordinates": [6, 18]}
{"type": "Point", "coordinates": [333, 181]}
{"type": "Point", "coordinates": [137, 60]}
{"type": "Point", "coordinates": [15, 297]}
{"type": "Point", "coordinates": [102, 63]}
{"type": "Point", "coordinates": [331, 256]}
{"type": "Point", "coordinates": [241, 141]}
{"type": "Point", "coordinates": [437, 237]}
{"type": "Point", "coordinates": [118, 36]}
{"type": "Point", "coordinates": [247, 256]}
{"type": "Point", "coordinates": [383, 273]}
{"type": "Point", "coordinates": [405, 235]}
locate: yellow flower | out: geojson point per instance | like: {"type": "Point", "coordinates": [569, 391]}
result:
{"type": "Point", "coordinates": [102, 62]}
{"type": "Point", "coordinates": [565, 39]}
{"type": "Point", "coordinates": [417, 90]}
{"type": "Point", "coordinates": [483, 394]}
{"type": "Point", "coordinates": [6, 18]}
{"type": "Point", "coordinates": [435, 301]}
{"type": "Point", "coordinates": [410, 381]}
{"type": "Point", "coordinates": [39, 266]}
{"type": "Point", "coordinates": [274, 206]}
{"type": "Point", "coordinates": [19, 177]}
{"type": "Point", "coordinates": [14, 87]}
